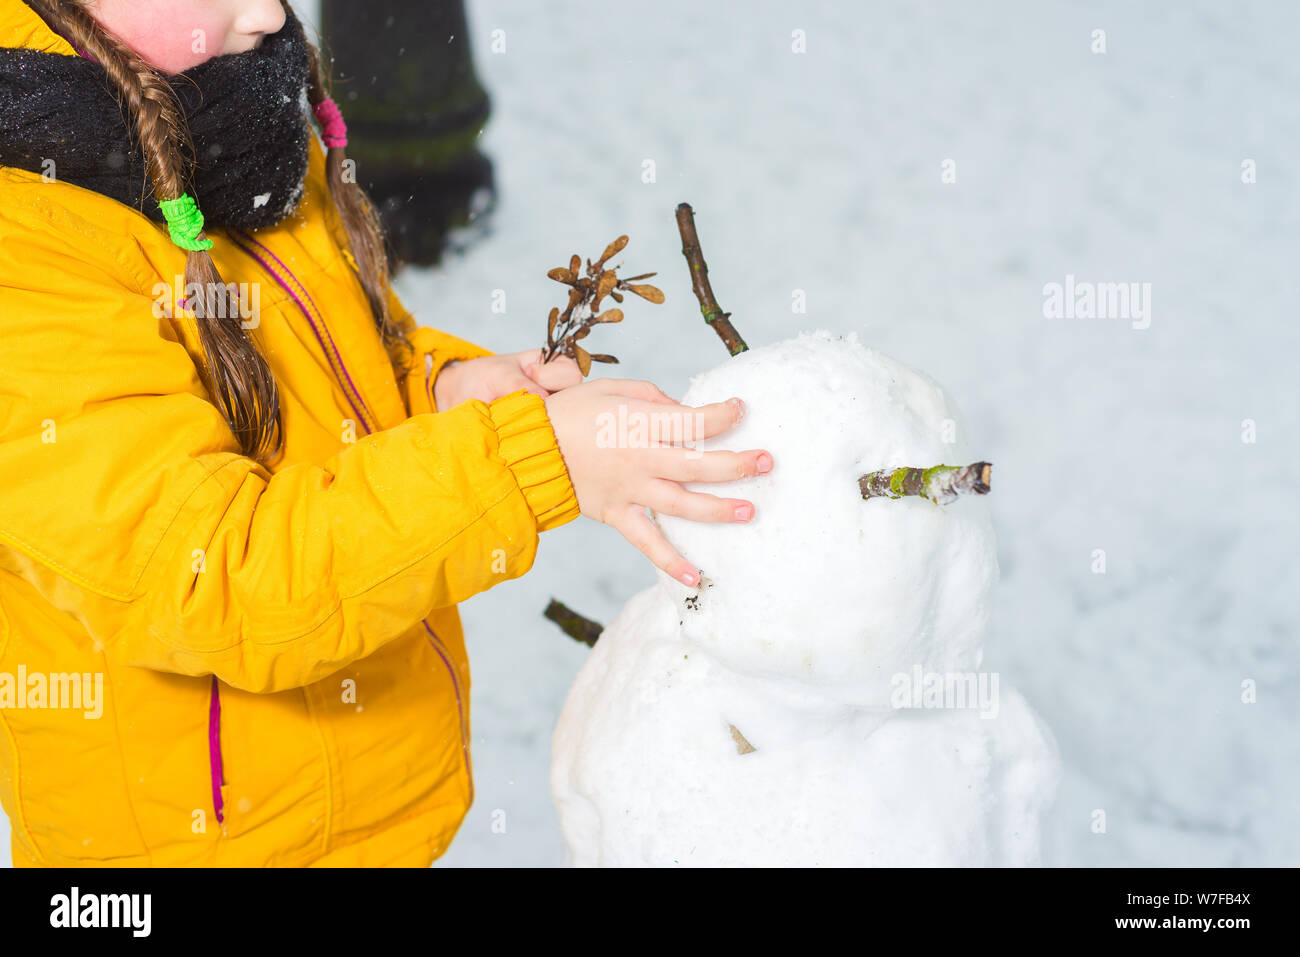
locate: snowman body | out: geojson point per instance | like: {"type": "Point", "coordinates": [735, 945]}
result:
{"type": "Point", "coordinates": [818, 699]}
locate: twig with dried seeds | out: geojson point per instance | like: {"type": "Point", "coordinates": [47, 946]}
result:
{"type": "Point", "coordinates": [564, 329]}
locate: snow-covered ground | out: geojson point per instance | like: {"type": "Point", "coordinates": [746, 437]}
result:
{"type": "Point", "coordinates": [823, 172]}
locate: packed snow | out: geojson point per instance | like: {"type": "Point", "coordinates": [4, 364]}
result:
{"type": "Point", "coordinates": [821, 586]}
{"type": "Point", "coordinates": [647, 772]}
{"type": "Point", "coordinates": [808, 617]}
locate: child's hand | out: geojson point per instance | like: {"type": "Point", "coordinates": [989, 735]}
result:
{"type": "Point", "coordinates": [616, 478]}
{"type": "Point", "coordinates": [560, 373]}
{"type": "Point", "coordinates": [491, 377]}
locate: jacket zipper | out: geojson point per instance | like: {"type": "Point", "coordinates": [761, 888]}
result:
{"type": "Point", "coordinates": [366, 418]}
{"type": "Point", "coordinates": [460, 709]}
{"type": "Point", "coordinates": [214, 750]}
{"type": "Point", "coordinates": [307, 305]}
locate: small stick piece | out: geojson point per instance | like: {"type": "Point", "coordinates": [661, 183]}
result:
{"type": "Point", "coordinates": [574, 625]}
{"type": "Point", "coordinates": [941, 484]}
{"type": "Point", "coordinates": [713, 314]}
{"type": "Point", "coordinates": [742, 746]}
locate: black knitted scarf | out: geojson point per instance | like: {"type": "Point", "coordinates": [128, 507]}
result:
{"type": "Point", "coordinates": [245, 113]}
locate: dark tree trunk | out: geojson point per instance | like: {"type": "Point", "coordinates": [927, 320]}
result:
{"type": "Point", "coordinates": [404, 79]}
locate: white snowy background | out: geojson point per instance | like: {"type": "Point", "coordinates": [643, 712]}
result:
{"type": "Point", "coordinates": [821, 172]}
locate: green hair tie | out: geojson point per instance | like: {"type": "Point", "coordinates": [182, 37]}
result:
{"type": "Point", "coordinates": [184, 222]}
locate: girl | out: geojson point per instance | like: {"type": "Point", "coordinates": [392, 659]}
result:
{"type": "Point", "coordinates": [241, 491]}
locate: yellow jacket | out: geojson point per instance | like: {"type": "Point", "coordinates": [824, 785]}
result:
{"type": "Point", "coordinates": [138, 547]}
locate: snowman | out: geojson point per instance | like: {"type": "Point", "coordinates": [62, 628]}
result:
{"type": "Point", "coordinates": [817, 699]}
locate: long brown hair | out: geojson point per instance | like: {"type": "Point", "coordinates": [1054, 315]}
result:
{"type": "Point", "coordinates": [240, 379]}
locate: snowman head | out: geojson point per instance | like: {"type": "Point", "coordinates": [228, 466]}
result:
{"type": "Point", "coordinates": [823, 588]}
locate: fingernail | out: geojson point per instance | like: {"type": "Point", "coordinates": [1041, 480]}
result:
{"type": "Point", "coordinates": [764, 462]}
{"type": "Point", "coordinates": [687, 578]}
{"type": "Point", "coordinates": [739, 406]}
{"type": "Point", "coordinates": [744, 512]}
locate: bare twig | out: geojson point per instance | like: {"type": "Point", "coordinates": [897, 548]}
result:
{"type": "Point", "coordinates": [574, 625]}
{"type": "Point", "coordinates": [940, 484]}
{"type": "Point", "coordinates": [713, 314]}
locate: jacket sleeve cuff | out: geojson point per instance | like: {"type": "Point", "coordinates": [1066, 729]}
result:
{"type": "Point", "coordinates": [432, 351]}
{"type": "Point", "coordinates": [529, 447]}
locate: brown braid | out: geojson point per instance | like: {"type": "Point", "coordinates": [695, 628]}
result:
{"type": "Point", "coordinates": [239, 376]}
{"type": "Point", "coordinates": [364, 229]}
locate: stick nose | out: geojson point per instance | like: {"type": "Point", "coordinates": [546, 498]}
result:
{"type": "Point", "coordinates": [941, 484]}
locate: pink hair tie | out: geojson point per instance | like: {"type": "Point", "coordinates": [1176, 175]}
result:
{"type": "Point", "coordinates": [333, 130]}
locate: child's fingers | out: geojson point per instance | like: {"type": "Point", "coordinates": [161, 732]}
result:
{"type": "Point", "coordinates": [634, 525]}
{"type": "Point", "coordinates": [636, 389]}
{"type": "Point", "coordinates": [669, 498]}
{"type": "Point", "coordinates": [680, 423]}
{"type": "Point", "coordinates": [717, 417]}
{"type": "Point", "coordinates": [686, 423]}
{"type": "Point", "coordinates": [518, 380]}
{"type": "Point", "coordinates": [527, 357]}
{"type": "Point", "coordinates": [721, 465]}
{"type": "Point", "coordinates": [560, 373]}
